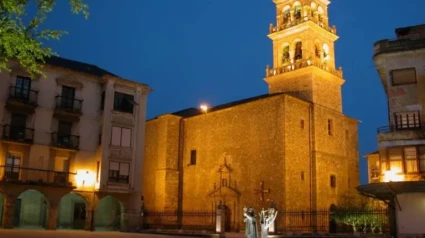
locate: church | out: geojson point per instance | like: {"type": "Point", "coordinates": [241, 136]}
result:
{"type": "Point", "coordinates": [292, 147]}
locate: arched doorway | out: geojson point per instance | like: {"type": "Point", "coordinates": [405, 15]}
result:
{"type": "Point", "coordinates": [72, 212]}
{"type": "Point", "coordinates": [31, 210]}
{"type": "Point", "coordinates": [107, 216]}
{"type": "Point", "coordinates": [227, 219]}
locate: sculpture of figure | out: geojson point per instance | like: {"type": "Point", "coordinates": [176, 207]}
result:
{"type": "Point", "coordinates": [266, 219]}
{"type": "Point", "coordinates": [251, 223]}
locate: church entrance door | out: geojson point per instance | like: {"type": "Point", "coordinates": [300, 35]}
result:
{"type": "Point", "coordinates": [227, 219]}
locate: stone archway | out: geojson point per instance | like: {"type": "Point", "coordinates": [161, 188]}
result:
{"type": "Point", "coordinates": [108, 214]}
{"type": "Point", "coordinates": [31, 210]}
{"type": "Point", "coordinates": [72, 212]}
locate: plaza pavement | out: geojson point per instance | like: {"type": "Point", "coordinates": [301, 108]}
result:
{"type": "Point", "coordinates": [13, 233]}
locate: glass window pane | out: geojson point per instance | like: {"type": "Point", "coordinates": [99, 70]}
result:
{"type": "Point", "coordinates": [411, 166]}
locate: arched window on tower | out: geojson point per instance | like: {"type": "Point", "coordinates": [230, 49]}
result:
{"type": "Point", "coordinates": [297, 11]}
{"type": "Point", "coordinates": [317, 50]}
{"type": "Point", "coordinates": [320, 11]}
{"type": "Point", "coordinates": [313, 8]}
{"type": "Point", "coordinates": [286, 15]}
{"type": "Point", "coordinates": [325, 52]}
{"type": "Point", "coordinates": [285, 54]}
{"type": "Point", "coordinates": [298, 50]}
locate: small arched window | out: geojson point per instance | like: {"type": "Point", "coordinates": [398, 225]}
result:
{"type": "Point", "coordinates": [285, 54]}
{"type": "Point", "coordinates": [325, 52]}
{"type": "Point", "coordinates": [297, 10]}
{"type": "Point", "coordinates": [286, 14]}
{"type": "Point", "coordinates": [298, 50]}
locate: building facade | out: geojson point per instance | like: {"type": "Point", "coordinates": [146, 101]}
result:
{"type": "Point", "coordinates": [71, 147]}
{"type": "Point", "coordinates": [292, 147]}
{"type": "Point", "coordinates": [401, 144]}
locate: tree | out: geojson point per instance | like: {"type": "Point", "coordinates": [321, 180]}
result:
{"type": "Point", "coordinates": [21, 40]}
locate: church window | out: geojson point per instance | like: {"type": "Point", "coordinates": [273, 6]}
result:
{"type": "Point", "coordinates": [330, 127]}
{"type": "Point", "coordinates": [333, 181]}
{"type": "Point", "coordinates": [285, 54]}
{"type": "Point", "coordinates": [119, 172]}
{"type": "Point", "coordinates": [302, 124]}
{"type": "Point", "coordinates": [121, 136]}
{"type": "Point", "coordinates": [325, 52]}
{"type": "Point", "coordinates": [317, 51]}
{"type": "Point", "coordinates": [193, 157]}
{"type": "Point", "coordinates": [298, 50]}
{"type": "Point", "coordinates": [302, 175]}
{"type": "Point", "coordinates": [297, 12]}
{"type": "Point", "coordinates": [123, 102]}
{"type": "Point", "coordinates": [286, 15]}
{"type": "Point", "coordinates": [403, 76]}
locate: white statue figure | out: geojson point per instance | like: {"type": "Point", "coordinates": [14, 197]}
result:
{"type": "Point", "coordinates": [266, 219]}
{"type": "Point", "coordinates": [251, 223]}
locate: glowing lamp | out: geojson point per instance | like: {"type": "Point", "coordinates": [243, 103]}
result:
{"type": "Point", "coordinates": [393, 175]}
{"type": "Point", "coordinates": [204, 108]}
{"type": "Point", "coordinates": [85, 178]}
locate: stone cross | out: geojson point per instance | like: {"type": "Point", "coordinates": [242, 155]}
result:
{"type": "Point", "coordinates": [261, 191]}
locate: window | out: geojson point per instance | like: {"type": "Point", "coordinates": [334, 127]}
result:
{"type": "Point", "coordinates": [297, 12]}
{"type": "Point", "coordinates": [422, 159]}
{"type": "Point", "coordinates": [22, 87]}
{"type": "Point", "coordinates": [395, 156]}
{"type": "Point", "coordinates": [193, 157]}
{"type": "Point", "coordinates": [298, 50]}
{"type": "Point", "coordinates": [410, 159]}
{"type": "Point", "coordinates": [119, 172]}
{"type": "Point", "coordinates": [123, 102]}
{"type": "Point", "coordinates": [333, 181]}
{"type": "Point", "coordinates": [121, 136]}
{"type": "Point", "coordinates": [102, 101]}
{"type": "Point", "coordinates": [406, 120]}
{"type": "Point", "coordinates": [330, 127]}
{"type": "Point", "coordinates": [12, 167]}
{"type": "Point", "coordinates": [403, 76]}
{"type": "Point", "coordinates": [302, 124]}
{"type": "Point", "coordinates": [67, 97]}
{"type": "Point", "coordinates": [302, 175]}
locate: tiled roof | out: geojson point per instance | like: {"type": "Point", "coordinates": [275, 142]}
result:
{"type": "Point", "coordinates": [77, 66]}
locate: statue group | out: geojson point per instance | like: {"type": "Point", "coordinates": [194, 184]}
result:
{"type": "Point", "coordinates": [267, 217]}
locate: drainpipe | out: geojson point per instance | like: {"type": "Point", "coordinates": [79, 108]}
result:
{"type": "Point", "coordinates": [180, 171]}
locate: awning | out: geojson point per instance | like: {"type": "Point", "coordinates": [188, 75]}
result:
{"type": "Point", "coordinates": [387, 191]}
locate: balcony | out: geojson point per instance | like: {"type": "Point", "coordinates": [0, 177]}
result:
{"type": "Point", "coordinates": [296, 22]}
{"type": "Point", "coordinates": [22, 100]}
{"type": "Point", "coordinates": [302, 64]}
{"type": "Point", "coordinates": [68, 108]}
{"type": "Point", "coordinates": [67, 142]}
{"type": "Point", "coordinates": [18, 134]}
{"type": "Point", "coordinates": [32, 176]}
{"type": "Point", "coordinates": [390, 46]}
{"type": "Point", "coordinates": [401, 132]}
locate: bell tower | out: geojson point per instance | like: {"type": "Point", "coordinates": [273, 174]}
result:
{"type": "Point", "coordinates": [303, 53]}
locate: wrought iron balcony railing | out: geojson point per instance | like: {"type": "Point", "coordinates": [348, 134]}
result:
{"type": "Point", "coordinates": [401, 127]}
{"type": "Point", "coordinates": [21, 95]}
{"type": "Point", "coordinates": [71, 142]}
{"type": "Point", "coordinates": [68, 104]}
{"type": "Point", "coordinates": [32, 176]}
{"type": "Point", "coordinates": [18, 134]}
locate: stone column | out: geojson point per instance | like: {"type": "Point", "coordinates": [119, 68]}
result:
{"type": "Point", "coordinates": [53, 216]}
{"type": "Point", "coordinates": [8, 208]}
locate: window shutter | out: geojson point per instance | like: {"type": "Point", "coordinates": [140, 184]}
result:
{"type": "Point", "coordinates": [116, 136]}
{"type": "Point", "coordinates": [125, 169]}
{"type": "Point", "coordinates": [404, 76]}
{"type": "Point", "coordinates": [126, 137]}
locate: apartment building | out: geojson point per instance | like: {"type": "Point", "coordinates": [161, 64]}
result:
{"type": "Point", "coordinates": [71, 148]}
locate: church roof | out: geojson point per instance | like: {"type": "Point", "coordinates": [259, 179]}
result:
{"type": "Point", "coordinates": [189, 112]}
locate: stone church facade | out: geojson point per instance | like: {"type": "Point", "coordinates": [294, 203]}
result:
{"type": "Point", "coordinates": [292, 147]}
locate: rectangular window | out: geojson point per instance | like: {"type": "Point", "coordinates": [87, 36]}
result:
{"type": "Point", "coordinates": [422, 159]}
{"type": "Point", "coordinates": [13, 164]}
{"type": "Point", "coordinates": [395, 156]}
{"type": "Point", "coordinates": [403, 76]}
{"type": "Point", "coordinates": [119, 172]}
{"type": "Point", "coordinates": [67, 97]}
{"type": "Point", "coordinates": [123, 102]}
{"type": "Point", "coordinates": [330, 127]}
{"type": "Point", "coordinates": [121, 136]}
{"type": "Point", "coordinates": [302, 124]}
{"type": "Point", "coordinates": [302, 175]}
{"type": "Point", "coordinates": [406, 120]}
{"type": "Point", "coordinates": [410, 160]}
{"type": "Point", "coordinates": [102, 101]}
{"type": "Point", "coordinates": [333, 181]}
{"type": "Point", "coordinates": [193, 157]}
{"type": "Point", "coordinates": [22, 87]}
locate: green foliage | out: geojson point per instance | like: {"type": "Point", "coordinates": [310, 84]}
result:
{"type": "Point", "coordinates": [23, 41]}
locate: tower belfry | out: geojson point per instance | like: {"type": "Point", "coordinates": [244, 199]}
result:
{"type": "Point", "coordinates": [303, 53]}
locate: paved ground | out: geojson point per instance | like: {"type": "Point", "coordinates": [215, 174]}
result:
{"type": "Point", "coordinates": [74, 234]}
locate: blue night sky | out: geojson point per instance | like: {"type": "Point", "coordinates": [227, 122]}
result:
{"type": "Point", "coordinates": [216, 51]}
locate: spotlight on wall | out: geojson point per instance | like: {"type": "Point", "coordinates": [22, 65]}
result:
{"type": "Point", "coordinates": [204, 108]}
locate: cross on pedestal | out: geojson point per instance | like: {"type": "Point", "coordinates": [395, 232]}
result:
{"type": "Point", "coordinates": [261, 191]}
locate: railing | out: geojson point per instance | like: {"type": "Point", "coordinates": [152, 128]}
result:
{"type": "Point", "coordinates": [65, 141]}
{"type": "Point", "coordinates": [67, 104]}
{"type": "Point", "coordinates": [18, 134]}
{"type": "Point", "coordinates": [302, 64]}
{"type": "Point", "coordinates": [201, 220]}
{"type": "Point", "coordinates": [387, 46]}
{"type": "Point", "coordinates": [26, 96]}
{"type": "Point", "coordinates": [32, 176]}
{"type": "Point", "coordinates": [289, 24]}
{"type": "Point", "coordinates": [401, 127]}
{"type": "Point", "coordinates": [340, 221]}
